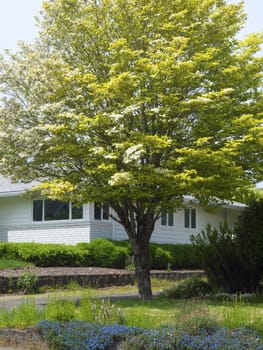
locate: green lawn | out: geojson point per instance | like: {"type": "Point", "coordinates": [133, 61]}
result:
{"type": "Point", "coordinates": [14, 264]}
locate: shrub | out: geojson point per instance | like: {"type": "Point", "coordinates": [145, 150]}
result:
{"type": "Point", "coordinates": [46, 254]}
{"type": "Point", "coordinates": [160, 257]}
{"type": "Point", "coordinates": [106, 254]}
{"type": "Point", "coordinates": [233, 259]}
{"type": "Point", "coordinates": [192, 287]}
{"type": "Point", "coordinates": [100, 252]}
{"type": "Point", "coordinates": [219, 258]}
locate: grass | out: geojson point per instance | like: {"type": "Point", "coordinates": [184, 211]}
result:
{"type": "Point", "coordinates": [186, 314]}
{"type": "Point", "coordinates": [14, 264]}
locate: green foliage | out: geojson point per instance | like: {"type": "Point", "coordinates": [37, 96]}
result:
{"type": "Point", "coordinates": [100, 252]}
{"type": "Point", "coordinates": [14, 264]}
{"type": "Point", "coordinates": [249, 244]}
{"type": "Point", "coordinates": [219, 258]}
{"type": "Point", "coordinates": [60, 310]}
{"type": "Point", "coordinates": [193, 287]}
{"type": "Point", "coordinates": [233, 259]}
{"type": "Point", "coordinates": [28, 283]}
{"type": "Point", "coordinates": [105, 253]}
{"type": "Point", "coordinates": [160, 257]}
{"type": "Point", "coordinates": [46, 254]}
{"type": "Point", "coordinates": [22, 316]}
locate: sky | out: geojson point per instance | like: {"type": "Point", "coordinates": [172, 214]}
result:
{"type": "Point", "coordinates": [17, 20]}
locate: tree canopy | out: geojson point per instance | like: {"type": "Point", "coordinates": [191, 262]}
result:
{"type": "Point", "coordinates": [135, 103]}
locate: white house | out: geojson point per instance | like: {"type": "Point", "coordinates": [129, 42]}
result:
{"type": "Point", "coordinates": [26, 220]}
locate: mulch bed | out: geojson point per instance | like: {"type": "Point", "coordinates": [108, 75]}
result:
{"type": "Point", "coordinates": [65, 271]}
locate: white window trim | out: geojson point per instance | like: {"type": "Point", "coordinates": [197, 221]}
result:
{"type": "Point", "coordinates": [190, 219]}
{"type": "Point", "coordinates": [101, 214]}
{"type": "Point", "coordinates": [167, 219]}
{"type": "Point", "coordinates": [53, 221]}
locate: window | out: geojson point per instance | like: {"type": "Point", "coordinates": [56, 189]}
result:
{"type": "Point", "coordinates": [190, 218]}
{"type": "Point", "coordinates": [48, 210]}
{"type": "Point", "coordinates": [167, 219]}
{"type": "Point", "coordinates": [101, 212]}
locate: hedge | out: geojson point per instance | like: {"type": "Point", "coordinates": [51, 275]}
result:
{"type": "Point", "coordinates": [100, 253]}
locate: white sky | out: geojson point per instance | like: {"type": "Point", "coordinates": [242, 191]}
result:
{"type": "Point", "coordinates": [17, 20]}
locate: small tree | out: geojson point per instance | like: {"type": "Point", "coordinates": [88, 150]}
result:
{"type": "Point", "coordinates": [233, 259]}
{"type": "Point", "coordinates": [135, 103]}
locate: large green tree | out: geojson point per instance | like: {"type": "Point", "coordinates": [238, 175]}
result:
{"type": "Point", "coordinates": [135, 103]}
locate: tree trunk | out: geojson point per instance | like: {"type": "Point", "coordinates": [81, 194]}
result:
{"type": "Point", "coordinates": [142, 268]}
{"type": "Point", "coordinates": [139, 223]}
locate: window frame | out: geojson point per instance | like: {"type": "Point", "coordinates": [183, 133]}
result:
{"type": "Point", "coordinates": [167, 219]}
{"type": "Point", "coordinates": [43, 212]}
{"type": "Point", "coordinates": [190, 218]}
{"type": "Point", "coordinates": [101, 212]}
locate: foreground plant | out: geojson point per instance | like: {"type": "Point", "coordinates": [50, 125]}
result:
{"type": "Point", "coordinates": [79, 335]}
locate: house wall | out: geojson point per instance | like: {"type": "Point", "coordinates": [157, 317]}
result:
{"type": "Point", "coordinates": [16, 225]}
{"type": "Point", "coordinates": [178, 233]}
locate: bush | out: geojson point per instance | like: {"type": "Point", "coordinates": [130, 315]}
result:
{"type": "Point", "coordinates": [46, 254]}
{"type": "Point", "coordinates": [193, 287]}
{"type": "Point", "coordinates": [106, 254]}
{"type": "Point", "coordinates": [100, 252]}
{"type": "Point", "coordinates": [160, 257]}
{"type": "Point", "coordinates": [219, 258]}
{"type": "Point", "coordinates": [233, 259]}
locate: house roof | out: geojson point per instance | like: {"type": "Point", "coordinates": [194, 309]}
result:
{"type": "Point", "coordinates": [9, 189]}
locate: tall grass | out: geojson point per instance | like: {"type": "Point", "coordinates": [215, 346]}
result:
{"type": "Point", "coordinates": [189, 315]}
{"type": "Point", "coordinates": [237, 313]}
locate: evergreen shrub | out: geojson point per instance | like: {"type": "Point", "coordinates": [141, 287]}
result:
{"type": "Point", "coordinates": [233, 259]}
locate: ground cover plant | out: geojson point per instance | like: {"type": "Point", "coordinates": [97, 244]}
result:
{"type": "Point", "coordinates": [80, 335]}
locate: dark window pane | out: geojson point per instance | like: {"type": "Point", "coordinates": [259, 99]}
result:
{"type": "Point", "coordinates": [97, 211]}
{"type": "Point", "coordinates": [193, 218]}
{"type": "Point", "coordinates": [77, 212]}
{"type": "Point", "coordinates": [164, 218]}
{"type": "Point", "coordinates": [56, 210]}
{"type": "Point", "coordinates": [37, 210]}
{"type": "Point", "coordinates": [170, 219]}
{"type": "Point", "coordinates": [187, 218]}
{"type": "Point", "coordinates": [105, 210]}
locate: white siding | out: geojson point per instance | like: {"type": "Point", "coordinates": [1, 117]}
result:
{"type": "Point", "coordinates": [16, 225]}
{"type": "Point", "coordinates": [101, 229]}
{"type": "Point", "coordinates": [15, 210]}
{"type": "Point", "coordinates": [178, 233]}
{"type": "Point", "coordinates": [66, 233]}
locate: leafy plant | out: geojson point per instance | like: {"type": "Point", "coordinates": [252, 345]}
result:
{"type": "Point", "coordinates": [193, 287]}
{"type": "Point", "coordinates": [233, 259]}
{"type": "Point", "coordinates": [60, 310]}
{"type": "Point", "coordinates": [28, 283]}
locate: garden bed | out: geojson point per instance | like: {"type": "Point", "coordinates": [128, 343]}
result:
{"type": "Point", "coordinates": [84, 276]}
